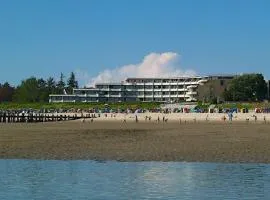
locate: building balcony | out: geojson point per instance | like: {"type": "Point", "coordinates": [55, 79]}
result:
{"type": "Point", "coordinates": [192, 86]}
{"type": "Point", "coordinates": [189, 83]}
{"type": "Point", "coordinates": [173, 83]}
{"type": "Point", "coordinates": [131, 96]}
{"type": "Point", "coordinates": [182, 89]}
{"type": "Point", "coordinates": [149, 83]}
{"type": "Point", "coordinates": [166, 89]}
{"type": "Point", "coordinates": [191, 99]}
{"type": "Point", "coordinates": [191, 93]}
{"type": "Point", "coordinates": [166, 83]}
{"type": "Point", "coordinates": [148, 96]}
{"type": "Point", "coordinates": [201, 82]}
{"type": "Point", "coordinates": [130, 89]}
{"type": "Point", "coordinates": [87, 95]}
{"type": "Point", "coordinates": [116, 89]}
{"type": "Point", "coordinates": [149, 90]}
{"type": "Point", "coordinates": [115, 95]}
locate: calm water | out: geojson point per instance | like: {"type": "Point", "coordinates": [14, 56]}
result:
{"type": "Point", "coordinates": [31, 179]}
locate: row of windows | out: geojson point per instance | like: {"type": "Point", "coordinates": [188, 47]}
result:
{"type": "Point", "coordinates": [138, 93]}
{"type": "Point", "coordinates": [138, 87]}
{"type": "Point", "coordinates": [162, 80]}
{"type": "Point", "coordinates": [111, 99]}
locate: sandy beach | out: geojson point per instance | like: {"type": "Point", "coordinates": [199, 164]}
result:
{"type": "Point", "coordinates": [143, 141]}
{"type": "Point", "coordinates": [176, 117]}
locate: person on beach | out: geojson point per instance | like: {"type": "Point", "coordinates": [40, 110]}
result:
{"type": "Point", "coordinates": [145, 118]}
{"type": "Point", "coordinates": [230, 115]}
{"type": "Point", "coordinates": [255, 118]}
{"type": "Point", "coordinates": [224, 118]}
{"type": "Point", "coordinates": [136, 118]}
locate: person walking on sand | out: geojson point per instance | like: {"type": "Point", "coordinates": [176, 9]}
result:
{"type": "Point", "coordinates": [224, 118]}
{"type": "Point", "coordinates": [255, 118]}
{"type": "Point", "coordinates": [136, 118]}
{"type": "Point", "coordinates": [230, 115]}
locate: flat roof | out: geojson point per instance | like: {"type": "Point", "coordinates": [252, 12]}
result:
{"type": "Point", "coordinates": [109, 83]}
{"type": "Point", "coordinates": [184, 77]}
{"type": "Point", "coordinates": [164, 78]}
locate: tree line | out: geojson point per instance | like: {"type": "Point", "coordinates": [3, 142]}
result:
{"type": "Point", "coordinates": [247, 87]}
{"type": "Point", "coordinates": [35, 89]}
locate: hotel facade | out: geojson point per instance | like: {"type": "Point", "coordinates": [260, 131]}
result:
{"type": "Point", "coordinates": [180, 89]}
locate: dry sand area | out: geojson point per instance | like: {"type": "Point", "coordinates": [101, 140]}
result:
{"type": "Point", "coordinates": [203, 142]}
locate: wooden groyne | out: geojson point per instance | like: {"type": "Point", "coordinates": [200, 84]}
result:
{"type": "Point", "coordinates": [35, 118]}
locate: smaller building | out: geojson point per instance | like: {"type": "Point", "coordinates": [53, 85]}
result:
{"type": "Point", "coordinates": [214, 88]}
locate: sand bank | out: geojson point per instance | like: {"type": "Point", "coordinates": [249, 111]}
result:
{"type": "Point", "coordinates": [143, 141]}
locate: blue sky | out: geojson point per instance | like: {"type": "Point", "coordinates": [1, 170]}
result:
{"type": "Point", "coordinates": [43, 38]}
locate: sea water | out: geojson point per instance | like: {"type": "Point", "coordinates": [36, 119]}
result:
{"type": "Point", "coordinates": [36, 179]}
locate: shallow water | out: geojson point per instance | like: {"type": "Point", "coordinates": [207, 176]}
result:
{"type": "Point", "coordinates": [32, 179]}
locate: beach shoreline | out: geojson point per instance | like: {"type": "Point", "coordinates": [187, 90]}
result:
{"type": "Point", "coordinates": [174, 117]}
{"type": "Point", "coordinates": [144, 141]}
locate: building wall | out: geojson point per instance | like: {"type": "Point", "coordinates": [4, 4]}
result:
{"type": "Point", "coordinates": [213, 89]}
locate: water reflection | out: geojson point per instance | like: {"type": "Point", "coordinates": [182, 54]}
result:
{"type": "Point", "coordinates": [31, 179]}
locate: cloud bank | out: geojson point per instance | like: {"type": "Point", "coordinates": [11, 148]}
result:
{"type": "Point", "coordinates": [153, 65]}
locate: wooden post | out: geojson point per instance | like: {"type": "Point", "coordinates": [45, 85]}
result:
{"type": "Point", "coordinates": [4, 117]}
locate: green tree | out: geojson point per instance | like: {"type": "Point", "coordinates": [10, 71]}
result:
{"type": "Point", "coordinates": [43, 94]}
{"type": "Point", "coordinates": [51, 85]}
{"type": "Point", "coordinates": [60, 86]}
{"type": "Point", "coordinates": [248, 87]}
{"type": "Point", "coordinates": [6, 92]}
{"type": "Point", "coordinates": [71, 83]}
{"type": "Point", "coordinates": [28, 91]}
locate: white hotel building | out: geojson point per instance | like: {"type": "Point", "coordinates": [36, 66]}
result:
{"type": "Point", "coordinates": [177, 89]}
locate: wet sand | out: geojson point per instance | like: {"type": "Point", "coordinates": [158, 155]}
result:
{"type": "Point", "coordinates": [203, 142]}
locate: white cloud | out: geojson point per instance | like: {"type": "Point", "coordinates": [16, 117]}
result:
{"type": "Point", "coordinates": [153, 65]}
